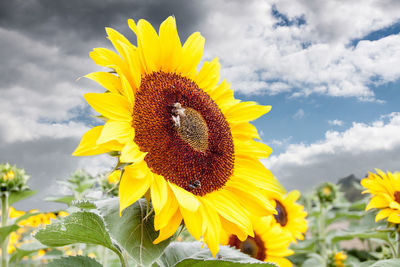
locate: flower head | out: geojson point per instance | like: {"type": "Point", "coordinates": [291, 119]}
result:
{"type": "Point", "coordinates": [385, 191]}
{"type": "Point", "coordinates": [290, 215]}
{"type": "Point", "coordinates": [12, 179]}
{"type": "Point", "coordinates": [327, 192]}
{"type": "Point", "coordinates": [187, 139]}
{"type": "Point", "coordinates": [270, 242]}
{"type": "Point", "coordinates": [339, 259]}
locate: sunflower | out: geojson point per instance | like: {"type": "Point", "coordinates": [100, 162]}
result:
{"type": "Point", "coordinates": [187, 139]}
{"type": "Point", "coordinates": [290, 216]}
{"type": "Point", "coordinates": [270, 243]}
{"type": "Point", "coordinates": [385, 191]}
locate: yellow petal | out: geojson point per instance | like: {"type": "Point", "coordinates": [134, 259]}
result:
{"type": "Point", "coordinates": [89, 147]}
{"type": "Point", "coordinates": [246, 111]}
{"type": "Point", "coordinates": [131, 153]}
{"type": "Point", "coordinates": [213, 234]}
{"type": "Point", "coordinates": [106, 58]}
{"type": "Point", "coordinates": [170, 228]}
{"type": "Point", "coordinates": [382, 214]}
{"type": "Point", "coordinates": [394, 217]}
{"type": "Point", "coordinates": [244, 130]}
{"type": "Point", "coordinates": [116, 39]}
{"type": "Point", "coordinates": [171, 49]}
{"type": "Point", "coordinates": [131, 189]}
{"type": "Point", "coordinates": [165, 215]}
{"type": "Point", "coordinates": [134, 76]}
{"type": "Point", "coordinates": [232, 228]}
{"type": "Point", "coordinates": [185, 198]}
{"type": "Point", "coordinates": [159, 193]}
{"type": "Point", "coordinates": [192, 52]}
{"type": "Point", "coordinates": [127, 90]}
{"type": "Point", "coordinates": [377, 202]}
{"type": "Point", "coordinates": [251, 149]}
{"type": "Point", "coordinates": [209, 75]}
{"type": "Point", "coordinates": [254, 172]}
{"type": "Point", "coordinates": [193, 222]}
{"type": "Point", "coordinates": [149, 46]}
{"type": "Point", "coordinates": [120, 131]}
{"type": "Point", "coordinates": [112, 106]}
{"type": "Point", "coordinates": [108, 80]}
{"type": "Point", "coordinates": [394, 205]}
{"type": "Point", "coordinates": [230, 209]}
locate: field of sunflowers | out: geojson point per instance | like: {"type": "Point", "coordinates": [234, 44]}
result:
{"type": "Point", "coordinates": [188, 188]}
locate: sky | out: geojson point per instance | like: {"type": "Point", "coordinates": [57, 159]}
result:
{"type": "Point", "coordinates": [329, 69]}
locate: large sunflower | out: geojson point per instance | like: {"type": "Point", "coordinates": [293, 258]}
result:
{"type": "Point", "coordinates": [270, 242]}
{"type": "Point", "coordinates": [290, 215]}
{"type": "Point", "coordinates": [187, 137]}
{"type": "Point", "coordinates": [385, 191]}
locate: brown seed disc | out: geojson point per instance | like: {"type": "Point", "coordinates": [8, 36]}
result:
{"type": "Point", "coordinates": [397, 196]}
{"type": "Point", "coordinates": [281, 217]}
{"type": "Point", "coordinates": [253, 246]}
{"type": "Point", "coordinates": [187, 138]}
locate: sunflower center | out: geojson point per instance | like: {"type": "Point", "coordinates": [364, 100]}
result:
{"type": "Point", "coordinates": [253, 246]}
{"type": "Point", "coordinates": [187, 137]}
{"type": "Point", "coordinates": [397, 196]}
{"type": "Point", "coordinates": [281, 217]}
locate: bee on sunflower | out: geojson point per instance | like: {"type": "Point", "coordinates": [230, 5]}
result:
{"type": "Point", "coordinates": [187, 141]}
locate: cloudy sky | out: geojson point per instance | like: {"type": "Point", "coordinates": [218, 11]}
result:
{"type": "Point", "coordinates": [330, 70]}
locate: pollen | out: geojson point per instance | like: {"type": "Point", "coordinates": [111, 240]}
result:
{"type": "Point", "coordinates": [187, 137]}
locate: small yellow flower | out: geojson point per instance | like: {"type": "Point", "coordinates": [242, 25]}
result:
{"type": "Point", "coordinates": [327, 190]}
{"type": "Point", "coordinates": [339, 258]}
{"type": "Point", "coordinates": [9, 175]}
{"type": "Point", "coordinates": [15, 213]}
{"type": "Point", "coordinates": [62, 214]}
{"type": "Point", "coordinates": [114, 177]}
{"type": "Point", "coordinates": [385, 191]}
{"type": "Point", "coordinates": [92, 255]}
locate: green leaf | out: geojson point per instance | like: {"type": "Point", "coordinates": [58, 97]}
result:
{"type": "Point", "coordinates": [74, 261]}
{"type": "Point", "coordinates": [79, 227]}
{"type": "Point", "coordinates": [354, 215]}
{"type": "Point", "coordinates": [20, 195]}
{"type": "Point", "coordinates": [83, 204]}
{"type": "Point", "coordinates": [26, 249]}
{"type": "Point", "coordinates": [179, 253]}
{"type": "Point", "coordinates": [64, 199]}
{"type": "Point", "coordinates": [132, 231]}
{"type": "Point", "coordinates": [384, 263]}
{"type": "Point", "coordinates": [220, 263]}
{"type": "Point", "coordinates": [336, 236]}
{"type": "Point", "coordinates": [6, 230]}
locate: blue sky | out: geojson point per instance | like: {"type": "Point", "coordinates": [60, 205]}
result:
{"type": "Point", "coordinates": [328, 68]}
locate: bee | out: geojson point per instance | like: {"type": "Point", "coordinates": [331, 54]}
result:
{"type": "Point", "coordinates": [195, 185]}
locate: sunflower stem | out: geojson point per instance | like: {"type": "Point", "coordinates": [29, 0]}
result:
{"type": "Point", "coordinates": [321, 232]}
{"type": "Point", "coordinates": [4, 217]}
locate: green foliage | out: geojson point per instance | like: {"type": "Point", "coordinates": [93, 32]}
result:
{"type": "Point", "coordinates": [79, 227]}
{"type": "Point", "coordinates": [134, 230]}
{"type": "Point", "coordinates": [20, 195]}
{"type": "Point", "coordinates": [74, 261]}
{"type": "Point", "coordinates": [6, 230]}
{"type": "Point", "coordinates": [220, 263]}
{"type": "Point", "coordinates": [192, 254]}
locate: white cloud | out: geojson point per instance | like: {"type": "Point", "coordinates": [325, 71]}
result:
{"type": "Point", "coordinates": [357, 150]}
{"type": "Point", "coordinates": [336, 122]}
{"type": "Point", "coordinates": [299, 114]}
{"type": "Point", "coordinates": [315, 57]}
